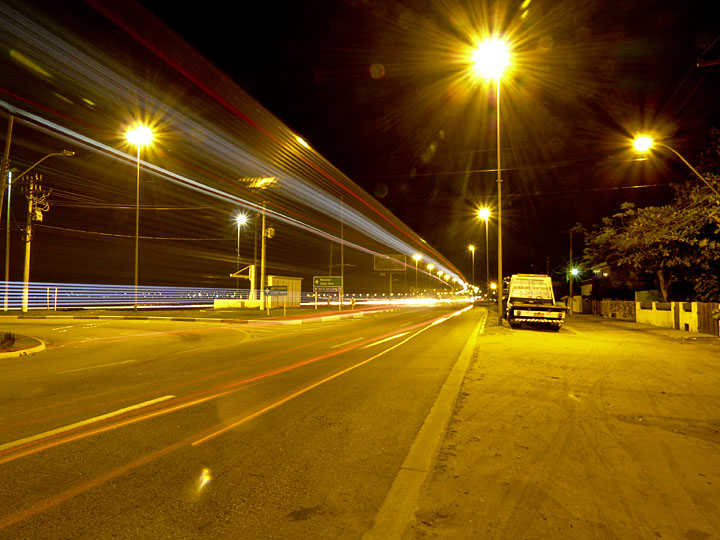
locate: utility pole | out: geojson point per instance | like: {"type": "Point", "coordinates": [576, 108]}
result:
{"type": "Point", "coordinates": [577, 228]}
{"type": "Point", "coordinates": [342, 254]}
{"type": "Point", "coordinates": [262, 261]}
{"type": "Point", "coordinates": [37, 204]}
{"type": "Point", "coordinates": [5, 164]}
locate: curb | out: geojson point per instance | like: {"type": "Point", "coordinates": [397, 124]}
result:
{"type": "Point", "coordinates": [297, 320]}
{"type": "Point", "coordinates": [397, 512]}
{"type": "Point", "coordinates": [25, 350]}
{"type": "Point", "coordinates": [255, 322]}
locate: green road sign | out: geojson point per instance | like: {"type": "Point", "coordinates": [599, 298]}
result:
{"type": "Point", "coordinates": [276, 290]}
{"type": "Point", "coordinates": [327, 283]}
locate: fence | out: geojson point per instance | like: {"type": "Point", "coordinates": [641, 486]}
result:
{"type": "Point", "coordinates": [614, 309]}
{"type": "Point", "coordinates": [688, 316]}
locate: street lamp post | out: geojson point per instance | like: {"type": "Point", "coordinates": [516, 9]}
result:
{"type": "Point", "coordinates": [644, 143]}
{"type": "Point", "coordinates": [472, 258]}
{"type": "Point", "coordinates": [26, 270]}
{"type": "Point", "coordinates": [416, 258]}
{"type": "Point", "coordinates": [484, 214]}
{"type": "Point", "coordinates": [241, 219]}
{"type": "Point", "coordinates": [430, 268]}
{"type": "Point", "coordinates": [490, 59]}
{"type": "Point", "coordinates": [140, 136]}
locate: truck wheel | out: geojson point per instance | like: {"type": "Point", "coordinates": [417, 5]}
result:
{"type": "Point", "coordinates": [514, 324]}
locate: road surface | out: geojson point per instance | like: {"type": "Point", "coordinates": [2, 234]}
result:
{"type": "Point", "coordinates": [160, 429]}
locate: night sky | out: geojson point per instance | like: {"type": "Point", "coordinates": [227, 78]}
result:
{"type": "Point", "coordinates": [365, 83]}
{"type": "Point", "coordinates": [381, 90]}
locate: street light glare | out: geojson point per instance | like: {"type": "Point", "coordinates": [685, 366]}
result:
{"type": "Point", "coordinates": [484, 213]}
{"type": "Point", "coordinates": [490, 58]}
{"type": "Point", "coordinates": [139, 135]}
{"type": "Point", "coordinates": [417, 257]}
{"type": "Point", "coordinates": [241, 219]}
{"type": "Point", "coordinates": [471, 248]}
{"type": "Point", "coordinates": [643, 143]}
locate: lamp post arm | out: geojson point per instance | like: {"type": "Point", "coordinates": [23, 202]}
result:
{"type": "Point", "coordinates": [31, 167]}
{"type": "Point", "coordinates": [685, 161]}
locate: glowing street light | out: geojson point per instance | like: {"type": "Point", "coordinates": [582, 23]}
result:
{"type": "Point", "coordinates": [472, 258]}
{"type": "Point", "coordinates": [430, 268]}
{"type": "Point", "coordinates": [484, 214]}
{"type": "Point", "coordinates": [416, 258]}
{"type": "Point", "coordinates": [138, 135]}
{"type": "Point", "coordinates": [241, 219]}
{"type": "Point", "coordinates": [644, 143]}
{"type": "Point", "coordinates": [489, 60]}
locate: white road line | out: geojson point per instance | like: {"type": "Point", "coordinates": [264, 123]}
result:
{"type": "Point", "coordinates": [346, 343]}
{"type": "Point", "coordinates": [98, 366]}
{"type": "Point", "coordinates": [384, 340]}
{"type": "Point", "coordinates": [63, 429]}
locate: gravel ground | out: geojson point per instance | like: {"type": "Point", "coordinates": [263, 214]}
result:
{"type": "Point", "coordinates": [607, 429]}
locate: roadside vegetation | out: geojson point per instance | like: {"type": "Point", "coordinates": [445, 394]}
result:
{"type": "Point", "coordinates": [678, 244]}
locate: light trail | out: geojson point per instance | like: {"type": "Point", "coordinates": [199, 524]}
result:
{"type": "Point", "coordinates": [60, 296]}
{"type": "Point", "coordinates": [272, 150]}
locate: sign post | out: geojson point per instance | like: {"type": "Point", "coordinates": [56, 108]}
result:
{"type": "Point", "coordinates": [327, 284]}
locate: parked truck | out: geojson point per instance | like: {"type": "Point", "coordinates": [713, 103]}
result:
{"type": "Point", "coordinates": [531, 300]}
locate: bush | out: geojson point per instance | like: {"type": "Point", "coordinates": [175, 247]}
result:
{"type": "Point", "coordinates": [7, 340]}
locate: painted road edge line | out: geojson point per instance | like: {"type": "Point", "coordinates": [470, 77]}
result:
{"type": "Point", "coordinates": [397, 511]}
{"type": "Point", "coordinates": [63, 429]}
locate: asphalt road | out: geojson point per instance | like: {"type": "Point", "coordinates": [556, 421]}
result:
{"type": "Point", "coordinates": [161, 429]}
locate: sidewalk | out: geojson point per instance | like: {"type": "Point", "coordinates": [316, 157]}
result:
{"type": "Point", "coordinates": [600, 431]}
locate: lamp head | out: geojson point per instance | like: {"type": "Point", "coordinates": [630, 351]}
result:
{"type": "Point", "coordinates": [490, 58]}
{"type": "Point", "coordinates": [642, 143]}
{"type": "Point", "coordinates": [139, 135]}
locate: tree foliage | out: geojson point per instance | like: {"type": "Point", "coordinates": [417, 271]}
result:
{"type": "Point", "coordinates": [679, 243]}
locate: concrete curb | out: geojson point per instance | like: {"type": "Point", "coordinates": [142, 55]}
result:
{"type": "Point", "coordinates": [300, 319]}
{"type": "Point", "coordinates": [255, 322]}
{"type": "Point", "coordinates": [25, 350]}
{"type": "Point", "coordinates": [397, 512]}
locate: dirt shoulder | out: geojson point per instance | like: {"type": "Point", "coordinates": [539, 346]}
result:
{"type": "Point", "coordinates": [604, 430]}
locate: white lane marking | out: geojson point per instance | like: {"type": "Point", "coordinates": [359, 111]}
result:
{"type": "Point", "coordinates": [384, 340]}
{"type": "Point", "coordinates": [98, 366]}
{"type": "Point", "coordinates": [346, 343]}
{"type": "Point", "coordinates": [82, 423]}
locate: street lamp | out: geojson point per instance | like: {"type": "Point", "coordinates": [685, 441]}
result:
{"type": "Point", "coordinates": [430, 268]}
{"type": "Point", "coordinates": [241, 219]}
{"type": "Point", "coordinates": [26, 269]}
{"type": "Point", "coordinates": [140, 136]}
{"type": "Point", "coordinates": [472, 257]}
{"type": "Point", "coordinates": [490, 58]}
{"type": "Point", "coordinates": [484, 214]}
{"type": "Point", "coordinates": [644, 143]}
{"type": "Point", "coordinates": [416, 258]}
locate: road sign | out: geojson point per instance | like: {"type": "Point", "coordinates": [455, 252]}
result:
{"type": "Point", "coordinates": [276, 290]}
{"type": "Point", "coordinates": [327, 283]}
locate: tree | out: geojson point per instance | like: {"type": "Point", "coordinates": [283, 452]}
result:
{"type": "Point", "coordinates": [679, 242]}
